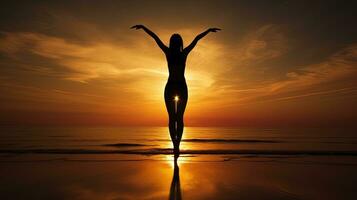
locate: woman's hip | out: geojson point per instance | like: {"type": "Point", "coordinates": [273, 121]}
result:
{"type": "Point", "coordinates": [176, 88]}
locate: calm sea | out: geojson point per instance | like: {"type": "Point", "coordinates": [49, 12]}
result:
{"type": "Point", "coordinates": [156, 140]}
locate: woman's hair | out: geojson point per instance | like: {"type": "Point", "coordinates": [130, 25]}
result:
{"type": "Point", "coordinates": [176, 42]}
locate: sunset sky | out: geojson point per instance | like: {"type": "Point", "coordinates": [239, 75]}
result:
{"type": "Point", "coordinates": [276, 63]}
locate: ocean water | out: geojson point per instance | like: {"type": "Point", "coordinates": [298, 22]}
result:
{"type": "Point", "coordinates": [196, 140]}
{"type": "Point", "coordinates": [215, 163]}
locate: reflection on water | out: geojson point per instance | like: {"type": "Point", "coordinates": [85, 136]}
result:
{"type": "Point", "coordinates": [79, 177]}
{"type": "Point", "coordinates": [175, 188]}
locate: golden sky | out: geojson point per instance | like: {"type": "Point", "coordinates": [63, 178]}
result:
{"type": "Point", "coordinates": [286, 63]}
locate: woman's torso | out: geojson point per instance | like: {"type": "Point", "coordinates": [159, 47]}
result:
{"type": "Point", "coordinates": [176, 62]}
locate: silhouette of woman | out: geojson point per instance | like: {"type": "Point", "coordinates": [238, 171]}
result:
{"type": "Point", "coordinates": [176, 88]}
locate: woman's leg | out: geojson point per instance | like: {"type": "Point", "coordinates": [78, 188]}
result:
{"type": "Point", "coordinates": [181, 106]}
{"type": "Point", "coordinates": [170, 106]}
{"type": "Point", "coordinates": [172, 122]}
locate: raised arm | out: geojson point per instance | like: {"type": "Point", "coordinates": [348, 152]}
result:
{"type": "Point", "coordinates": [197, 38]}
{"type": "Point", "coordinates": [162, 46]}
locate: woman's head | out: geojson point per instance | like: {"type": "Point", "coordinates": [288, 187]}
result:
{"type": "Point", "coordinates": [176, 42]}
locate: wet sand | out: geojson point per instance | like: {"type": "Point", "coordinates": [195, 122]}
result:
{"type": "Point", "coordinates": [54, 177]}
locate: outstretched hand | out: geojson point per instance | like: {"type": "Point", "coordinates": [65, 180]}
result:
{"type": "Point", "coordinates": [214, 29]}
{"type": "Point", "coordinates": [137, 27]}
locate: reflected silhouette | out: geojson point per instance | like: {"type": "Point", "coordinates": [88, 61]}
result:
{"type": "Point", "coordinates": [176, 94]}
{"type": "Point", "coordinates": [175, 188]}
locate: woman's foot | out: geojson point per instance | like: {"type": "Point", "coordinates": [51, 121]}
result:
{"type": "Point", "coordinates": [176, 156]}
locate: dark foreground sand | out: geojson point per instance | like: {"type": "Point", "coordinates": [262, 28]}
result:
{"type": "Point", "coordinates": [155, 177]}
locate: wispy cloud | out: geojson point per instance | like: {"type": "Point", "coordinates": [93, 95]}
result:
{"type": "Point", "coordinates": [264, 43]}
{"type": "Point", "coordinates": [84, 62]}
{"type": "Point", "coordinates": [337, 74]}
{"type": "Point", "coordinates": [338, 66]}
